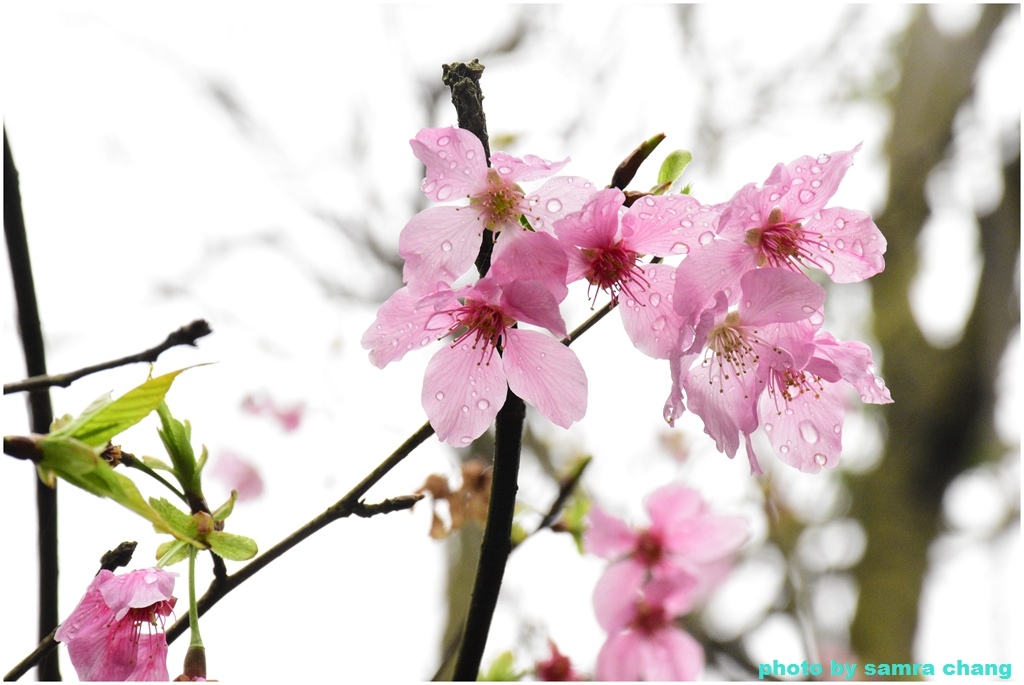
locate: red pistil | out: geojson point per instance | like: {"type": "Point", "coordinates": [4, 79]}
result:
{"type": "Point", "coordinates": [614, 269]}
{"type": "Point", "coordinates": [783, 243]}
{"type": "Point", "coordinates": [486, 323]}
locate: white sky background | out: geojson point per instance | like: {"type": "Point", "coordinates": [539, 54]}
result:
{"type": "Point", "coordinates": [148, 206]}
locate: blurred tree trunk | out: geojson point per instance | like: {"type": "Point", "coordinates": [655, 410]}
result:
{"type": "Point", "coordinates": [942, 418]}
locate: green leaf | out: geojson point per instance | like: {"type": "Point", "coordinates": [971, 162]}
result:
{"type": "Point", "coordinates": [519, 534]}
{"type": "Point", "coordinates": [502, 669]}
{"type": "Point", "coordinates": [157, 464]}
{"type": "Point", "coordinates": [175, 436]}
{"type": "Point", "coordinates": [233, 547]}
{"type": "Point", "coordinates": [175, 521]}
{"type": "Point", "coordinates": [224, 510]}
{"type": "Point", "coordinates": [673, 166]}
{"type": "Point", "coordinates": [80, 464]}
{"type": "Point", "coordinates": [575, 517]}
{"type": "Point", "coordinates": [104, 419]}
{"type": "Point", "coordinates": [172, 552]}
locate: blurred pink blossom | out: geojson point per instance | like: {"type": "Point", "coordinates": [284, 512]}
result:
{"type": "Point", "coordinates": [290, 417]}
{"type": "Point", "coordinates": [104, 633]}
{"type": "Point", "coordinates": [238, 474]}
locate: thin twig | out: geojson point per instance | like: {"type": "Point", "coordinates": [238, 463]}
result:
{"type": "Point", "coordinates": [565, 489]}
{"type": "Point", "coordinates": [186, 335]}
{"type": "Point", "coordinates": [348, 505]}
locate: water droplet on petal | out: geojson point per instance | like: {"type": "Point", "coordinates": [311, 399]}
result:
{"type": "Point", "coordinates": [429, 187]}
{"type": "Point", "coordinates": [554, 205]}
{"type": "Point", "coordinates": [686, 223]}
{"type": "Point", "coordinates": [838, 428]}
{"type": "Point", "coordinates": [465, 440]}
{"type": "Point", "coordinates": [465, 409]}
{"type": "Point", "coordinates": [815, 170]}
{"type": "Point", "coordinates": [789, 412]}
{"type": "Point", "coordinates": [469, 154]}
{"type": "Point", "coordinates": [659, 323]}
{"type": "Point", "coordinates": [439, 396]}
{"type": "Point", "coordinates": [826, 266]}
{"type": "Point", "coordinates": [444, 140]}
{"type": "Point", "coordinates": [444, 192]}
{"type": "Point", "coordinates": [823, 159]}
{"type": "Point", "coordinates": [784, 449]}
{"type": "Point", "coordinates": [840, 244]}
{"type": "Point", "coordinates": [808, 432]}
{"type": "Point", "coordinates": [680, 248]}
{"type": "Point", "coordinates": [815, 183]}
{"type": "Point", "coordinates": [505, 170]}
{"type": "Point", "coordinates": [769, 427]}
{"type": "Point", "coordinates": [706, 237]}
{"type": "Point", "coordinates": [655, 299]}
{"type": "Point", "coordinates": [806, 195]}
{"type": "Point", "coordinates": [774, 197]}
{"type": "Point", "coordinates": [821, 459]}
{"type": "Point", "coordinates": [446, 246]}
{"type": "Point", "coordinates": [482, 405]}
{"type": "Point", "coordinates": [442, 154]}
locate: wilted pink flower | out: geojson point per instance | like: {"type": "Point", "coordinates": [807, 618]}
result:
{"type": "Point", "coordinates": [605, 242]}
{"type": "Point", "coordinates": [644, 642]}
{"type": "Point", "coordinates": [732, 345]}
{"type": "Point", "coordinates": [556, 668]}
{"type": "Point", "coordinates": [685, 540]}
{"type": "Point", "coordinates": [785, 224]}
{"type": "Point", "coordinates": [104, 633]}
{"type": "Point", "coordinates": [238, 474]}
{"type": "Point", "coordinates": [440, 243]}
{"type": "Point", "coordinates": [467, 380]}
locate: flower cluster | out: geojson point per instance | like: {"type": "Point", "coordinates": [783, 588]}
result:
{"type": "Point", "coordinates": [738, 318]}
{"type": "Point", "coordinates": [116, 631]}
{"type": "Point", "coordinates": [657, 574]}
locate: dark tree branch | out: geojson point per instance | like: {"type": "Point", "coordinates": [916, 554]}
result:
{"type": "Point", "coordinates": [186, 335]}
{"type": "Point", "coordinates": [39, 406]}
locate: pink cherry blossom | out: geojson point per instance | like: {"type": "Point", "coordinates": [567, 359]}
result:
{"type": "Point", "coordinates": [238, 474]}
{"type": "Point", "coordinates": [783, 223]}
{"type": "Point", "coordinates": [684, 537]}
{"type": "Point", "coordinates": [644, 642]}
{"type": "Point", "coordinates": [104, 633]}
{"type": "Point", "coordinates": [466, 381]}
{"type": "Point", "coordinates": [605, 243]}
{"type": "Point", "coordinates": [732, 344]}
{"type": "Point", "coordinates": [289, 417]}
{"type": "Point", "coordinates": [440, 243]}
{"type": "Point", "coordinates": [803, 407]}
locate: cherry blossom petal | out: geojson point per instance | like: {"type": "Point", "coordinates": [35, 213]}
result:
{"type": "Point", "coordinates": [454, 160]}
{"type": "Point", "coordinates": [461, 395]}
{"type": "Point", "coordinates": [405, 322]}
{"type": "Point", "coordinates": [808, 434]}
{"type": "Point", "coordinates": [137, 590]}
{"type": "Point", "coordinates": [715, 268]}
{"type": "Point", "coordinates": [556, 199]}
{"type": "Point", "coordinates": [607, 536]}
{"type": "Point", "coordinates": [151, 659]}
{"type": "Point", "coordinates": [529, 256]}
{"type": "Point", "coordinates": [807, 183]}
{"type": "Point", "coordinates": [546, 374]}
{"type": "Point", "coordinates": [671, 655]}
{"type": "Point", "coordinates": [596, 225]}
{"type": "Point", "coordinates": [620, 658]}
{"type": "Point", "coordinates": [853, 360]}
{"type": "Point", "coordinates": [528, 168]}
{"type": "Point", "coordinates": [439, 244]}
{"type": "Point", "coordinates": [778, 296]}
{"type": "Point", "coordinates": [616, 593]}
{"type": "Point", "coordinates": [650, 320]}
{"type": "Point", "coordinates": [852, 245]}
{"type": "Point", "coordinates": [667, 225]}
{"type": "Point", "coordinates": [727, 406]}
{"type": "Point", "coordinates": [532, 302]}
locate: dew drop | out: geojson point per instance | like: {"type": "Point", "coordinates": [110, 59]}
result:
{"type": "Point", "coordinates": [816, 170]}
{"type": "Point", "coordinates": [470, 154]}
{"type": "Point", "coordinates": [706, 237]}
{"type": "Point", "coordinates": [554, 205]}
{"type": "Point", "coordinates": [840, 244]}
{"type": "Point", "coordinates": [806, 195]}
{"type": "Point", "coordinates": [439, 396]}
{"type": "Point", "coordinates": [444, 192]}
{"type": "Point", "coordinates": [821, 459]}
{"type": "Point", "coordinates": [858, 248]}
{"type": "Point", "coordinates": [774, 197]}
{"type": "Point", "coordinates": [769, 427]}
{"type": "Point", "coordinates": [465, 409]}
{"type": "Point", "coordinates": [482, 405]}
{"type": "Point", "coordinates": [659, 323]}
{"type": "Point", "coordinates": [808, 432]}
{"type": "Point", "coordinates": [838, 428]}
{"type": "Point", "coordinates": [394, 342]}
{"type": "Point", "coordinates": [380, 326]}
{"type": "Point", "coordinates": [446, 246]}
{"type": "Point", "coordinates": [823, 159]}
{"type": "Point", "coordinates": [452, 165]}
{"type": "Point", "coordinates": [442, 154]}
{"type": "Point", "coordinates": [827, 266]}
{"type": "Point", "coordinates": [655, 299]}
{"type": "Point", "coordinates": [789, 412]}
{"type": "Point", "coordinates": [680, 248]}
{"type": "Point", "coordinates": [686, 223]}
{"type": "Point", "coordinates": [840, 223]}
{"type": "Point", "coordinates": [465, 440]}
{"type": "Point", "coordinates": [808, 309]}
{"type": "Point", "coordinates": [424, 341]}
{"type": "Point", "coordinates": [505, 170]}
{"type": "Point", "coordinates": [428, 187]}
{"type": "Point", "coordinates": [784, 449]}
{"type": "Point", "coordinates": [444, 140]}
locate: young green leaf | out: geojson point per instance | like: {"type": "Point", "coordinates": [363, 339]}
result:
{"type": "Point", "coordinates": [175, 521]}
{"type": "Point", "coordinates": [233, 547]}
{"type": "Point", "coordinates": [171, 552]}
{"type": "Point", "coordinates": [673, 166]}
